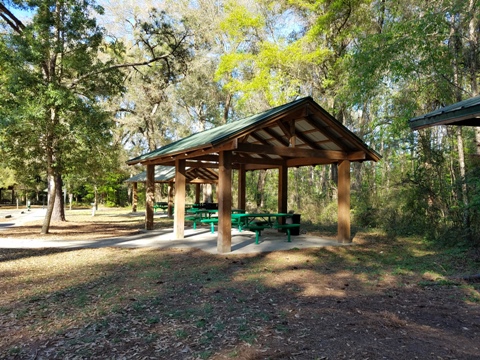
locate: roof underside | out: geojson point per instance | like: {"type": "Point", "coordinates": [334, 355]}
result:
{"type": "Point", "coordinates": [296, 134]}
{"type": "Point", "coordinates": [463, 113]}
{"type": "Point", "coordinates": [165, 174]}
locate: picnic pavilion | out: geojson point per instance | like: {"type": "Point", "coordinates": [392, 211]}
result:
{"type": "Point", "coordinates": [166, 174]}
{"type": "Point", "coordinates": [299, 133]}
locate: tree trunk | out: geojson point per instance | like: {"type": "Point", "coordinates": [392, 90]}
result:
{"type": "Point", "coordinates": [207, 193]}
{"type": "Point", "coordinates": [473, 47]}
{"type": "Point", "coordinates": [50, 205]}
{"type": "Point", "coordinates": [298, 181]}
{"type": "Point", "coordinates": [59, 208]}
{"type": "Point", "coordinates": [226, 109]}
{"type": "Point", "coordinates": [457, 52]}
{"type": "Point", "coordinates": [461, 163]}
{"type": "Point", "coordinates": [50, 157]}
{"type": "Point", "coordinates": [260, 194]}
{"type": "Point", "coordinates": [334, 173]}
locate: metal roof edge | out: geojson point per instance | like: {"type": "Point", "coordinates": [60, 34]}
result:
{"type": "Point", "coordinates": [442, 116]}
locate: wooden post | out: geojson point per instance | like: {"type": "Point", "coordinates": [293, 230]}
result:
{"type": "Point", "coordinates": [282, 191]}
{"type": "Point", "coordinates": [224, 240]}
{"type": "Point", "coordinates": [134, 196]}
{"type": "Point", "coordinates": [150, 197]}
{"type": "Point", "coordinates": [179, 217]}
{"type": "Point", "coordinates": [242, 187]}
{"type": "Point", "coordinates": [170, 199]}
{"type": "Point", "coordinates": [344, 201]}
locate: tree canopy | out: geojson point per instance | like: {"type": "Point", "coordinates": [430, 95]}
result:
{"type": "Point", "coordinates": [122, 79]}
{"type": "Point", "coordinates": [59, 69]}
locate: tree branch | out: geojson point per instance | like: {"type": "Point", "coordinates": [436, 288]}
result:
{"type": "Point", "coordinates": [116, 66]}
{"type": "Point", "coordinates": [132, 64]}
{"type": "Point", "coordinates": [11, 19]}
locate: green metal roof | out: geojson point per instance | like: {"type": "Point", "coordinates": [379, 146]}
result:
{"type": "Point", "coordinates": [465, 113]}
{"type": "Point", "coordinates": [315, 129]}
{"type": "Point", "coordinates": [216, 135]}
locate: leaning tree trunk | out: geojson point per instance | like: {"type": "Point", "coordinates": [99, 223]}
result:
{"type": "Point", "coordinates": [50, 157]}
{"type": "Point", "coordinates": [50, 205]}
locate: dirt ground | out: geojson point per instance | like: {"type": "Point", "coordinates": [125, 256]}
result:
{"type": "Point", "coordinates": [384, 298]}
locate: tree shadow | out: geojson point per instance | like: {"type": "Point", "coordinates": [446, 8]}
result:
{"type": "Point", "coordinates": [303, 304]}
{"type": "Point", "coordinates": [17, 254]}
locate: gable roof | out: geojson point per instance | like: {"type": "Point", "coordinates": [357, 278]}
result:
{"type": "Point", "coordinates": [164, 174]}
{"type": "Point", "coordinates": [298, 133]}
{"type": "Point", "coordinates": [464, 113]}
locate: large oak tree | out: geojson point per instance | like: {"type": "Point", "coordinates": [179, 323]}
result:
{"type": "Point", "coordinates": [57, 70]}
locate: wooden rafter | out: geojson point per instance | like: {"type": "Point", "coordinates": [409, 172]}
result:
{"type": "Point", "coordinates": [326, 131]}
{"type": "Point", "coordinates": [277, 137]}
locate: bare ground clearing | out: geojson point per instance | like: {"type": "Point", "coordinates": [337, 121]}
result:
{"type": "Point", "coordinates": [384, 298]}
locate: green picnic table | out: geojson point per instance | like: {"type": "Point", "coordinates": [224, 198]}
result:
{"type": "Point", "coordinates": [160, 205]}
{"type": "Point", "coordinates": [258, 222]}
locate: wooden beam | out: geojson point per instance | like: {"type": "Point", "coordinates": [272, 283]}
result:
{"type": "Point", "coordinates": [276, 136]}
{"type": "Point", "coordinates": [291, 152]}
{"type": "Point", "coordinates": [204, 165]}
{"type": "Point", "coordinates": [344, 201]}
{"type": "Point", "coordinates": [149, 197]}
{"type": "Point", "coordinates": [242, 185]}
{"type": "Point", "coordinates": [224, 240]}
{"type": "Point", "coordinates": [261, 141]}
{"type": "Point", "coordinates": [246, 159]}
{"type": "Point", "coordinates": [309, 161]}
{"type": "Point", "coordinates": [249, 167]}
{"type": "Point", "coordinates": [326, 130]}
{"type": "Point", "coordinates": [357, 155]}
{"type": "Point", "coordinates": [179, 217]}
{"type": "Point", "coordinates": [308, 141]}
{"type": "Point", "coordinates": [285, 129]}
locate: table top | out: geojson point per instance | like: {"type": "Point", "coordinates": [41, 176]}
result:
{"type": "Point", "coordinates": [260, 215]}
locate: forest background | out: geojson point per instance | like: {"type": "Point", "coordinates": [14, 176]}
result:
{"type": "Point", "coordinates": [85, 86]}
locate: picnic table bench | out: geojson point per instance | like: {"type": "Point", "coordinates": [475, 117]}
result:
{"type": "Point", "coordinates": [286, 227]}
{"type": "Point", "coordinates": [193, 218]}
{"type": "Point", "coordinates": [212, 221]}
{"type": "Point", "coordinates": [203, 216]}
{"type": "Point", "coordinates": [258, 228]}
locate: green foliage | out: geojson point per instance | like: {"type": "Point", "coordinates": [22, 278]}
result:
{"type": "Point", "coordinates": [54, 80]}
{"type": "Point", "coordinates": [7, 177]}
